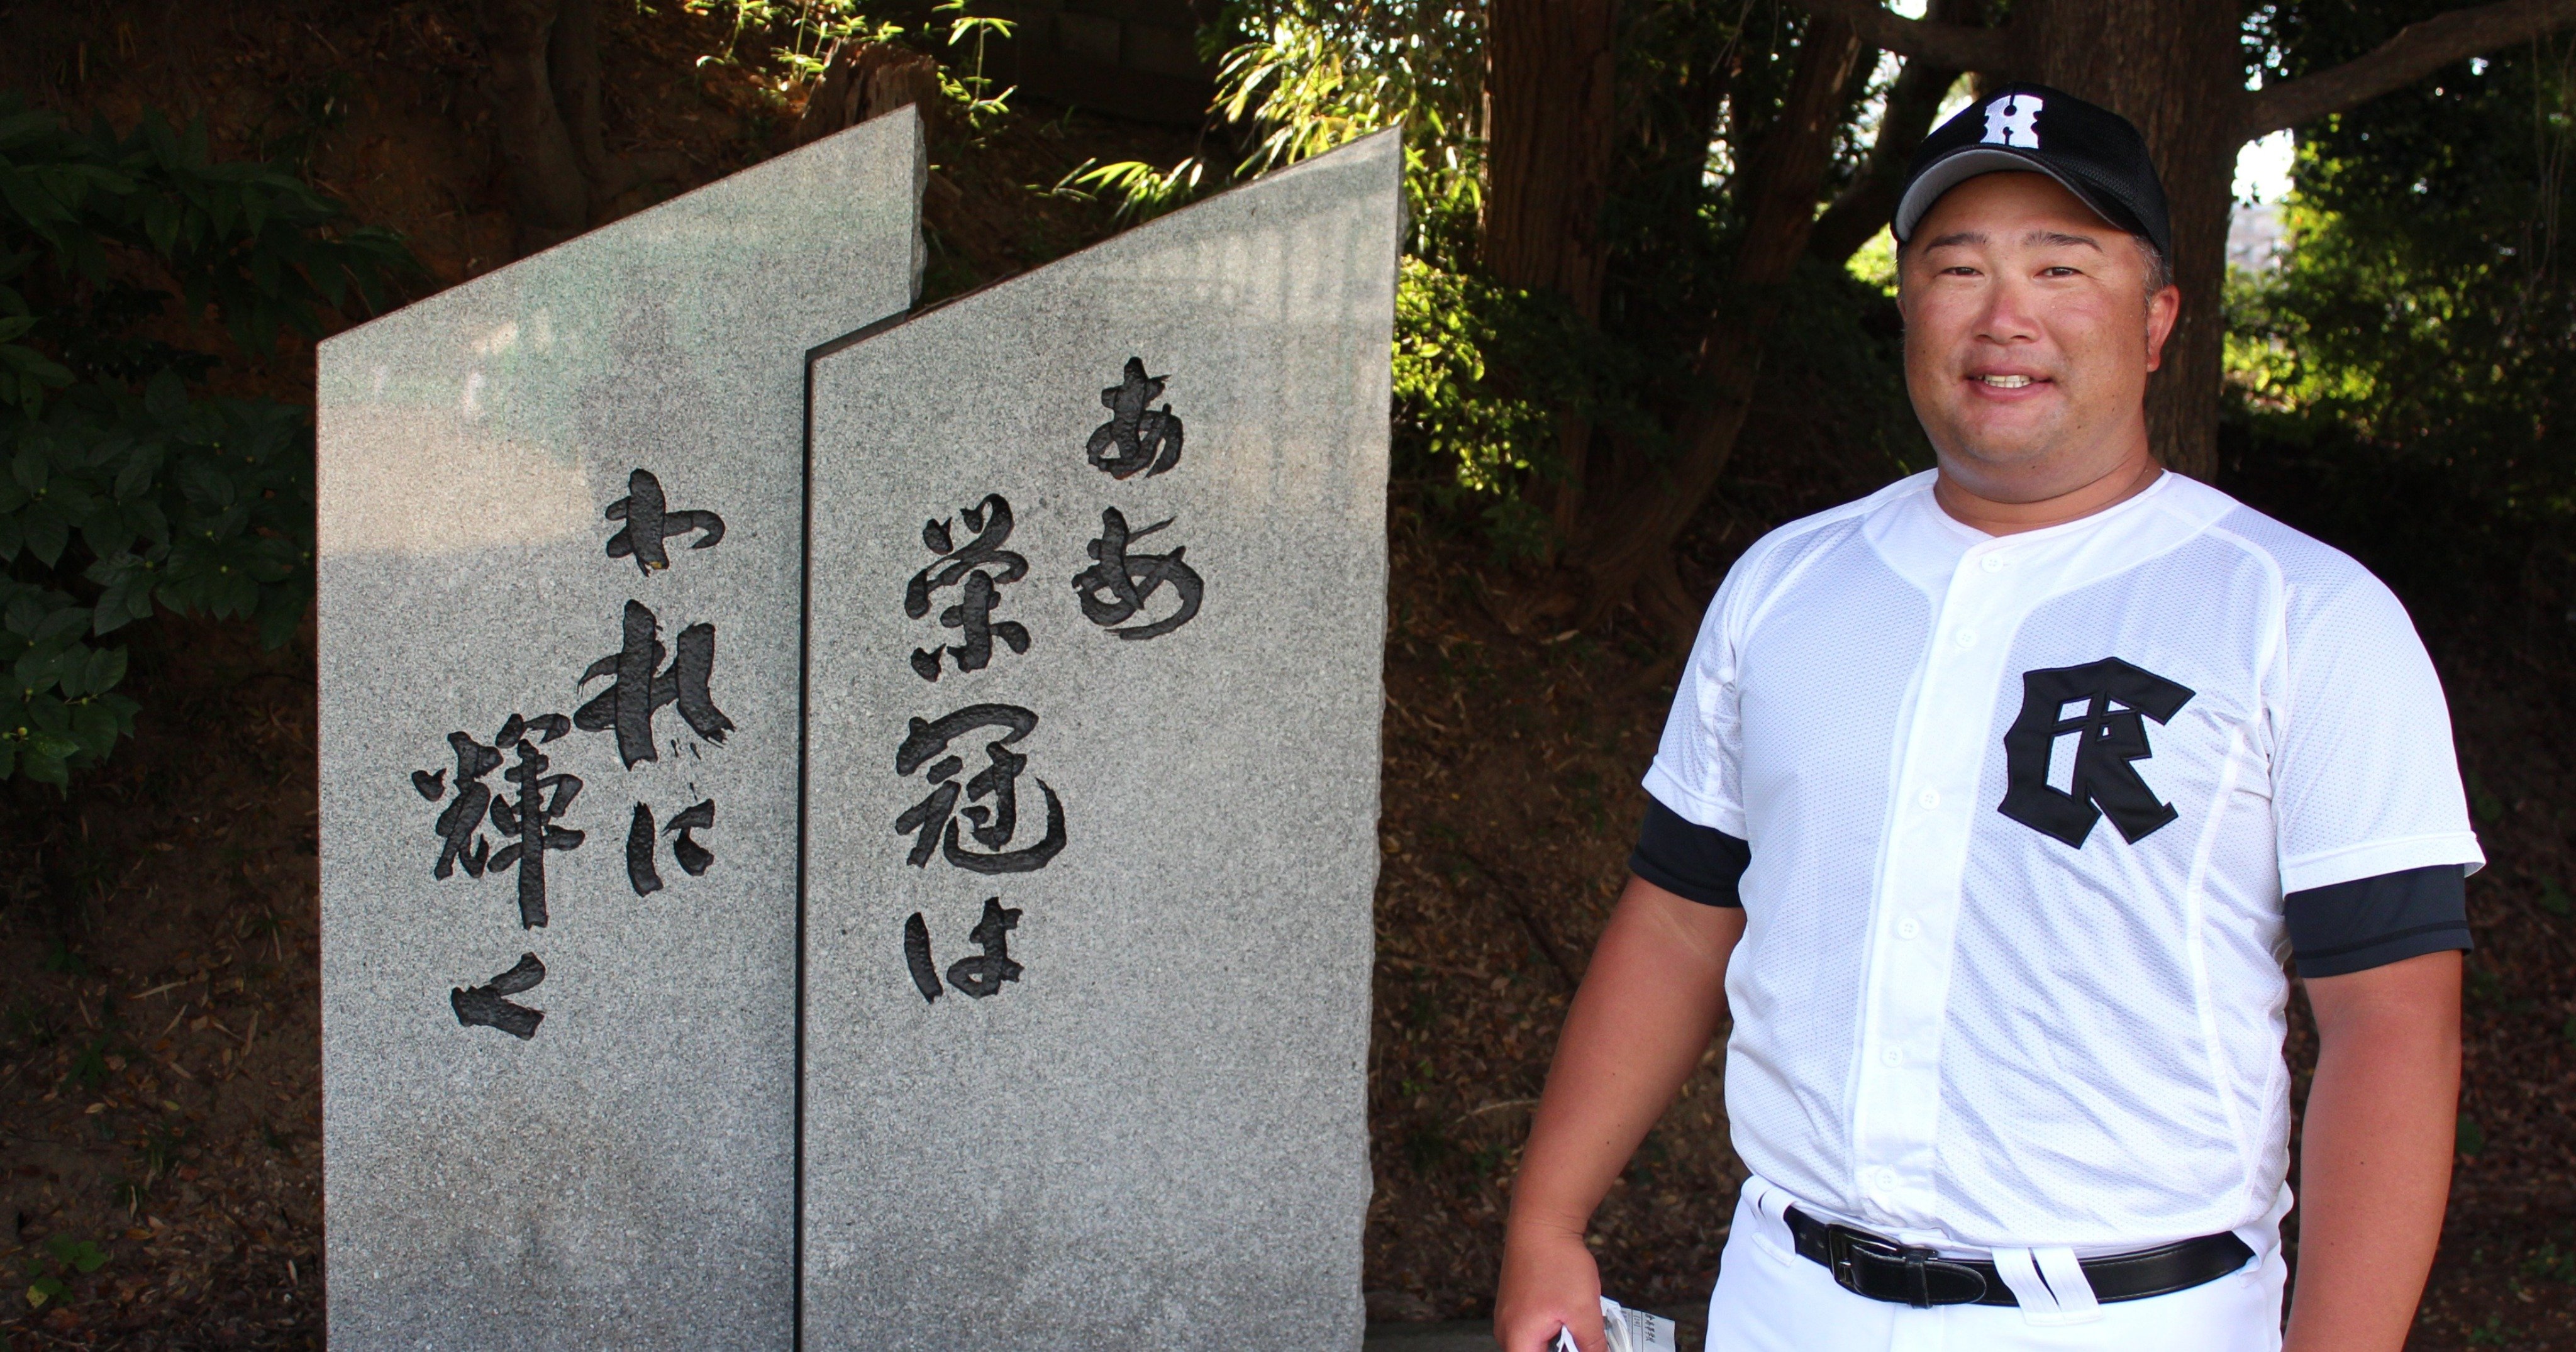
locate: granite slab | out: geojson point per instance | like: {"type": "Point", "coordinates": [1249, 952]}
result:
{"type": "Point", "coordinates": [1098, 601]}
{"type": "Point", "coordinates": [560, 570]}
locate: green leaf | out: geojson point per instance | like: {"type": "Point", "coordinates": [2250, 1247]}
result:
{"type": "Point", "coordinates": [44, 767]}
{"type": "Point", "coordinates": [165, 397]}
{"type": "Point", "coordinates": [106, 668]}
{"type": "Point", "coordinates": [125, 593]}
{"type": "Point", "coordinates": [135, 478]}
{"type": "Point", "coordinates": [94, 728]}
{"type": "Point", "coordinates": [63, 621]}
{"type": "Point", "coordinates": [38, 670]}
{"type": "Point", "coordinates": [161, 224]}
{"type": "Point", "coordinates": [46, 532]}
{"type": "Point", "coordinates": [25, 611]}
{"type": "Point", "coordinates": [278, 622]}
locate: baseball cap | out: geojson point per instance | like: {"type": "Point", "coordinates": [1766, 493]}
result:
{"type": "Point", "coordinates": [2093, 152]}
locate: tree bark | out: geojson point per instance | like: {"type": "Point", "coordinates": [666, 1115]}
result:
{"type": "Point", "coordinates": [2174, 69]}
{"type": "Point", "coordinates": [862, 80]}
{"type": "Point", "coordinates": [1551, 114]}
{"type": "Point", "coordinates": [1551, 86]}
{"type": "Point", "coordinates": [572, 67]}
{"type": "Point", "coordinates": [545, 85]}
{"type": "Point", "coordinates": [1633, 540]}
{"type": "Point", "coordinates": [547, 191]}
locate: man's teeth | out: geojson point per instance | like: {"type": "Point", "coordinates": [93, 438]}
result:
{"type": "Point", "coordinates": [2005, 382]}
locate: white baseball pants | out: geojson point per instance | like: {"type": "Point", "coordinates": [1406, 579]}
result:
{"type": "Point", "coordinates": [1768, 1299]}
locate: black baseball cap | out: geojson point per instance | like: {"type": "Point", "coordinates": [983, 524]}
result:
{"type": "Point", "coordinates": [2094, 152]}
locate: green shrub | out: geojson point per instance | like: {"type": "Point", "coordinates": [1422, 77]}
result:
{"type": "Point", "coordinates": [127, 485]}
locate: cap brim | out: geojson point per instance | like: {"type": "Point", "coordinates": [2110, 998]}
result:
{"type": "Point", "coordinates": [1970, 161]}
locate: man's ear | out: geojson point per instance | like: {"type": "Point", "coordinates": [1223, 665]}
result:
{"type": "Point", "coordinates": [2163, 308]}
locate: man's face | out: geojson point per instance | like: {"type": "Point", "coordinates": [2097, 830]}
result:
{"type": "Point", "coordinates": [2029, 333]}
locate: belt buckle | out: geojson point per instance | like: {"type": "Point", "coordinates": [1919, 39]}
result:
{"type": "Point", "coordinates": [1843, 1241]}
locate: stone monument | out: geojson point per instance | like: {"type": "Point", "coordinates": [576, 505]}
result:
{"type": "Point", "coordinates": [1097, 570]}
{"type": "Point", "coordinates": [560, 570]}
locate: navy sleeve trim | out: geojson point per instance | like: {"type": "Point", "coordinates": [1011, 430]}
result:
{"type": "Point", "coordinates": [1700, 863]}
{"type": "Point", "coordinates": [2372, 922]}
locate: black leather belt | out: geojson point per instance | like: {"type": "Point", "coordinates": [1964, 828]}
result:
{"type": "Point", "coordinates": [1880, 1268]}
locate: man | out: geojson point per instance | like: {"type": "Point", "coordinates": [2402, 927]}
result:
{"type": "Point", "coordinates": [1989, 807]}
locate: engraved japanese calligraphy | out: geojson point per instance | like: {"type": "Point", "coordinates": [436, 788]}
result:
{"type": "Point", "coordinates": [979, 568]}
{"type": "Point", "coordinates": [990, 812]}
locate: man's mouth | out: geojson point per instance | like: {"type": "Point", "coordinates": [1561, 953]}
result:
{"type": "Point", "coordinates": [2005, 382]}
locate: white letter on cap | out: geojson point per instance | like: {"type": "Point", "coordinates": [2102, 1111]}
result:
{"type": "Point", "coordinates": [2013, 120]}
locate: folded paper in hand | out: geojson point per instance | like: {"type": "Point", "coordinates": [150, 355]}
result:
{"type": "Point", "coordinates": [1629, 1330]}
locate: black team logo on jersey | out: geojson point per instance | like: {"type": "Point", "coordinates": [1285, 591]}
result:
{"type": "Point", "coordinates": [2109, 734]}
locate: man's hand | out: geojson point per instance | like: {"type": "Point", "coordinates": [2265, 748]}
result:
{"type": "Point", "coordinates": [1650, 1002]}
{"type": "Point", "coordinates": [1549, 1282]}
{"type": "Point", "coordinates": [2375, 1162]}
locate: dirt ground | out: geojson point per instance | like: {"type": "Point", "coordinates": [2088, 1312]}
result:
{"type": "Point", "coordinates": [159, 1057]}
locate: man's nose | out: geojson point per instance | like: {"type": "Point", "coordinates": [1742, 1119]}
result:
{"type": "Point", "coordinates": [2009, 314]}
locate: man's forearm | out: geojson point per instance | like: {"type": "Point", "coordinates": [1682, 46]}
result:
{"type": "Point", "coordinates": [2375, 1163]}
{"type": "Point", "coordinates": [1650, 1001]}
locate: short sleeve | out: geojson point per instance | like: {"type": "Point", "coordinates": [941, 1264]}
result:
{"type": "Point", "coordinates": [2354, 926]}
{"type": "Point", "coordinates": [2364, 778]}
{"type": "Point", "coordinates": [1695, 771]}
{"type": "Point", "coordinates": [1694, 862]}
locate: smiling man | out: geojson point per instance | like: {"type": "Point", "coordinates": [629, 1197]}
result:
{"type": "Point", "coordinates": [1990, 807]}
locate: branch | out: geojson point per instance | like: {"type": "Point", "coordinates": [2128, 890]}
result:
{"type": "Point", "coordinates": [1943, 44]}
{"type": "Point", "coordinates": [2418, 50]}
{"type": "Point", "coordinates": [1912, 103]}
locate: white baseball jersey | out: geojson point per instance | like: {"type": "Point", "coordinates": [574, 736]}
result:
{"type": "Point", "coordinates": [2022, 811]}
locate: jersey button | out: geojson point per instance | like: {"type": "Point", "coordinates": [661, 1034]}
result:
{"type": "Point", "coordinates": [1882, 1180]}
{"type": "Point", "coordinates": [1907, 928]}
{"type": "Point", "coordinates": [1994, 563]}
{"type": "Point", "coordinates": [1891, 1057]}
{"type": "Point", "coordinates": [1931, 798]}
{"type": "Point", "coordinates": [1965, 638]}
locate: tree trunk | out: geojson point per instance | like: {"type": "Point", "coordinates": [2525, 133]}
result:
{"type": "Point", "coordinates": [1633, 539]}
{"type": "Point", "coordinates": [862, 80]}
{"type": "Point", "coordinates": [2176, 70]}
{"type": "Point", "coordinates": [547, 191]}
{"type": "Point", "coordinates": [1550, 118]}
{"type": "Point", "coordinates": [1548, 138]}
{"type": "Point", "coordinates": [572, 65]}
{"type": "Point", "coordinates": [544, 82]}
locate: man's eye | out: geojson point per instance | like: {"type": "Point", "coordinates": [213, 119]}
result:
{"type": "Point", "coordinates": [2060, 271]}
